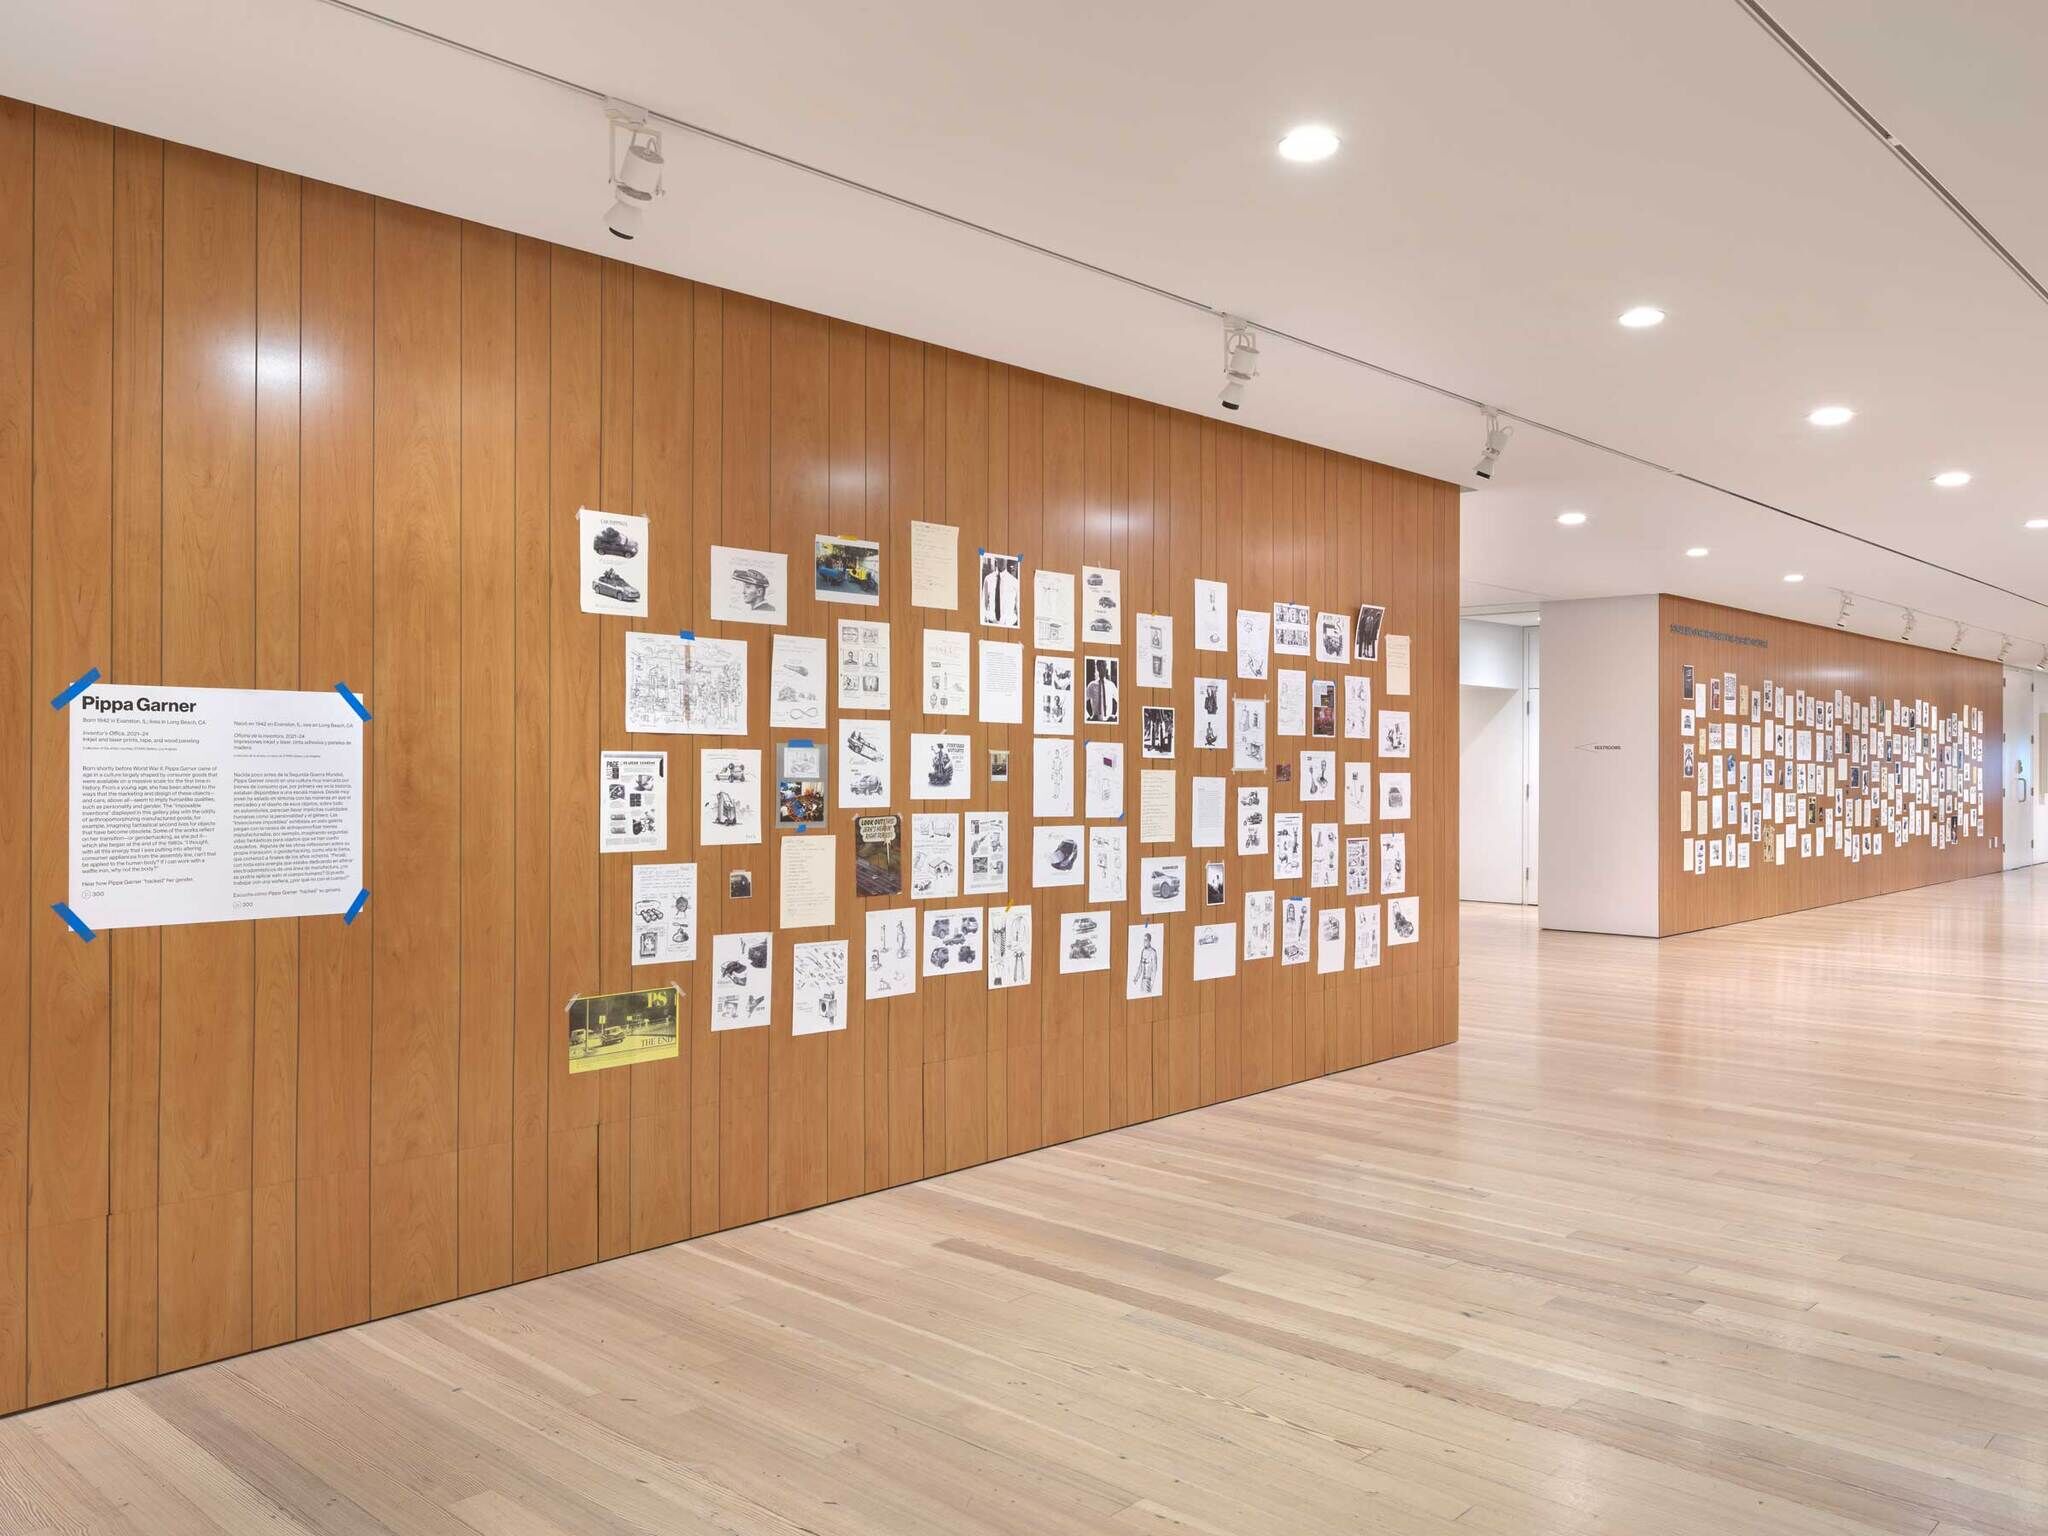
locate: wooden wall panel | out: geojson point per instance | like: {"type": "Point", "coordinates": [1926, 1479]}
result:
{"type": "Point", "coordinates": [256, 431]}
{"type": "Point", "coordinates": [1819, 661]}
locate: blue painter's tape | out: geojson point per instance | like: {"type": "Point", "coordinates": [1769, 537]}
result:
{"type": "Point", "coordinates": [802, 742]}
{"type": "Point", "coordinates": [356, 906]}
{"type": "Point", "coordinates": [686, 634]}
{"type": "Point", "coordinates": [72, 921]}
{"type": "Point", "coordinates": [92, 675]}
{"type": "Point", "coordinates": [354, 703]}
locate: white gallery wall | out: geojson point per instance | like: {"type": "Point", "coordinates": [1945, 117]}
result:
{"type": "Point", "coordinates": [2026, 727]}
{"type": "Point", "coordinates": [1598, 763]}
{"type": "Point", "coordinates": [1496, 767]}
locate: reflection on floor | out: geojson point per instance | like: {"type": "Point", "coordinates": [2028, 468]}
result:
{"type": "Point", "coordinates": [1745, 1232]}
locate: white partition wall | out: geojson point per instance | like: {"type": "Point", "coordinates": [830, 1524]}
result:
{"type": "Point", "coordinates": [2026, 726]}
{"type": "Point", "coordinates": [1496, 761]}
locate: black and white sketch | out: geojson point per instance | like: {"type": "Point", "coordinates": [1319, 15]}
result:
{"type": "Point", "coordinates": [1258, 925]}
{"type": "Point", "coordinates": [1287, 845]}
{"type": "Point", "coordinates": [1213, 883]}
{"type": "Point", "coordinates": [1002, 590]}
{"type": "Point", "coordinates": [946, 663]}
{"type": "Point", "coordinates": [863, 664]}
{"type": "Point", "coordinates": [846, 571]}
{"type": "Point", "coordinates": [800, 784]}
{"type": "Point", "coordinates": [1254, 819]}
{"type": "Point", "coordinates": [742, 980]}
{"type": "Point", "coordinates": [1052, 777]}
{"type": "Point", "coordinates": [1107, 847]}
{"type": "Point", "coordinates": [1291, 629]}
{"type": "Point", "coordinates": [1084, 942]}
{"type": "Point", "coordinates": [1215, 947]}
{"type": "Point", "coordinates": [1357, 866]}
{"type": "Point", "coordinates": [1155, 737]}
{"type": "Point", "coordinates": [1052, 692]}
{"type": "Point", "coordinates": [1102, 787]}
{"type": "Point", "coordinates": [1052, 610]}
{"type": "Point", "coordinates": [1154, 661]}
{"type": "Point", "coordinates": [1329, 940]}
{"type": "Point", "coordinates": [1290, 694]}
{"type": "Point", "coordinates": [1365, 632]}
{"type": "Point", "coordinates": [1251, 643]}
{"type": "Point", "coordinates": [985, 866]}
{"type": "Point", "coordinates": [1393, 733]}
{"type": "Point", "coordinates": [863, 764]}
{"type": "Point", "coordinates": [1357, 794]}
{"type": "Point", "coordinates": [1056, 855]}
{"type": "Point", "coordinates": [1318, 776]}
{"type": "Point", "coordinates": [941, 767]}
{"type": "Point", "coordinates": [1102, 605]}
{"type": "Point", "coordinates": [1404, 920]}
{"type": "Point", "coordinates": [817, 987]}
{"type": "Point", "coordinates": [891, 953]}
{"type": "Point", "coordinates": [613, 568]}
{"type": "Point", "coordinates": [1144, 961]}
{"type": "Point", "coordinates": [1358, 709]}
{"type": "Point", "coordinates": [1365, 937]}
{"type": "Point", "coordinates": [677, 686]}
{"type": "Point", "coordinates": [1294, 930]}
{"type": "Point", "coordinates": [1212, 616]}
{"type": "Point", "coordinates": [934, 855]}
{"type": "Point", "coordinates": [1212, 714]}
{"type": "Point", "coordinates": [1163, 884]}
{"type": "Point", "coordinates": [1009, 947]}
{"type": "Point", "coordinates": [728, 795]}
{"type": "Point", "coordinates": [1322, 854]}
{"type": "Point", "coordinates": [953, 941]}
{"type": "Point", "coordinates": [1248, 751]}
{"type": "Point", "coordinates": [664, 913]}
{"type": "Point", "coordinates": [749, 586]}
{"type": "Point", "coordinates": [632, 802]}
{"type": "Point", "coordinates": [1393, 863]}
{"type": "Point", "coordinates": [796, 682]}
{"type": "Point", "coordinates": [1395, 798]}
{"type": "Point", "coordinates": [1102, 691]}
{"type": "Point", "coordinates": [1333, 638]}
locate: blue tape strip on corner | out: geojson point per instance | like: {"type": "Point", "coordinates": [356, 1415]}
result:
{"type": "Point", "coordinates": [72, 921]}
{"type": "Point", "coordinates": [92, 675]}
{"type": "Point", "coordinates": [355, 907]}
{"type": "Point", "coordinates": [354, 703]}
{"type": "Point", "coordinates": [686, 634]}
{"type": "Point", "coordinates": [803, 742]}
{"type": "Point", "coordinates": [803, 826]}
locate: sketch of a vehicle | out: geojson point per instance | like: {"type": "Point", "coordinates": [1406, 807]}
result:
{"type": "Point", "coordinates": [733, 973]}
{"type": "Point", "coordinates": [1100, 625]}
{"type": "Point", "coordinates": [860, 746]}
{"type": "Point", "coordinates": [1208, 938]}
{"type": "Point", "coordinates": [610, 541]}
{"type": "Point", "coordinates": [865, 784]}
{"type": "Point", "coordinates": [1166, 885]}
{"type": "Point", "coordinates": [1081, 949]}
{"type": "Point", "coordinates": [1063, 856]}
{"type": "Point", "coordinates": [732, 773]}
{"type": "Point", "coordinates": [615, 588]}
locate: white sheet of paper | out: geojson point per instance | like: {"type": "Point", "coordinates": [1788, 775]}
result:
{"type": "Point", "coordinates": [1318, 775]}
{"type": "Point", "coordinates": [1393, 863]}
{"type": "Point", "coordinates": [1056, 855]}
{"type": "Point", "coordinates": [1052, 610]}
{"type": "Point", "coordinates": [1152, 667]}
{"type": "Point", "coordinates": [1215, 951]}
{"type": "Point", "coordinates": [1398, 654]}
{"type": "Point", "coordinates": [941, 767]}
{"type": "Point", "coordinates": [1333, 638]}
{"type": "Point", "coordinates": [817, 986]}
{"type": "Point", "coordinates": [1155, 805]}
{"type": "Point", "coordinates": [729, 796]}
{"type": "Point", "coordinates": [1393, 733]}
{"type": "Point", "coordinates": [945, 672]}
{"type": "Point", "coordinates": [1009, 947]}
{"type": "Point", "coordinates": [810, 880]}
{"type": "Point", "coordinates": [1329, 940]}
{"type": "Point", "coordinates": [632, 802]}
{"type": "Point", "coordinates": [985, 866]}
{"type": "Point", "coordinates": [934, 565]}
{"type": "Point", "coordinates": [1251, 643]}
{"type": "Point", "coordinates": [1294, 931]}
{"type": "Point", "coordinates": [796, 682]}
{"type": "Point", "coordinates": [1212, 615]}
{"type": "Point", "coordinates": [891, 960]}
{"type": "Point", "coordinates": [1144, 961]}
{"type": "Point", "coordinates": [1248, 736]}
{"type": "Point", "coordinates": [1322, 854]}
{"type": "Point", "coordinates": [863, 764]}
{"type": "Point", "coordinates": [846, 570]}
{"type": "Point", "coordinates": [613, 570]}
{"type": "Point", "coordinates": [1052, 778]}
{"type": "Point", "coordinates": [1107, 863]}
{"type": "Point", "coordinates": [1258, 925]}
{"type": "Point", "coordinates": [1103, 785]}
{"type": "Point", "coordinates": [1404, 919]}
{"type": "Point", "coordinates": [1212, 714]}
{"type": "Point", "coordinates": [1287, 845]}
{"type": "Point", "coordinates": [1102, 605]}
{"type": "Point", "coordinates": [742, 980]}
{"type": "Point", "coordinates": [1163, 884]}
{"type": "Point", "coordinates": [1206, 812]}
{"type": "Point", "coordinates": [749, 586]}
{"type": "Point", "coordinates": [1084, 942]}
{"type": "Point", "coordinates": [1253, 819]}
{"type": "Point", "coordinates": [171, 858]}
{"type": "Point", "coordinates": [685, 687]}
{"type": "Point", "coordinates": [1291, 702]}
{"type": "Point", "coordinates": [1002, 682]}
{"type": "Point", "coordinates": [953, 941]}
{"type": "Point", "coordinates": [1291, 629]}
{"type": "Point", "coordinates": [1001, 588]}
{"type": "Point", "coordinates": [1052, 695]}
{"type": "Point", "coordinates": [1358, 709]}
{"type": "Point", "coordinates": [1395, 797]}
{"type": "Point", "coordinates": [1365, 937]}
{"type": "Point", "coordinates": [664, 913]}
{"type": "Point", "coordinates": [1357, 794]}
{"type": "Point", "coordinates": [934, 855]}
{"type": "Point", "coordinates": [863, 664]}
{"type": "Point", "coordinates": [1357, 866]}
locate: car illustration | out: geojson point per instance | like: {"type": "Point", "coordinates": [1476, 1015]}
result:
{"type": "Point", "coordinates": [615, 588]}
{"type": "Point", "coordinates": [1079, 948]}
{"type": "Point", "coordinates": [865, 784]}
{"type": "Point", "coordinates": [1099, 625]}
{"type": "Point", "coordinates": [733, 973]}
{"type": "Point", "coordinates": [731, 773]}
{"type": "Point", "coordinates": [610, 541]}
{"type": "Point", "coordinates": [1166, 885]}
{"type": "Point", "coordinates": [1207, 938]}
{"type": "Point", "coordinates": [1063, 856]}
{"type": "Point", "coordinates": [614, 1034]}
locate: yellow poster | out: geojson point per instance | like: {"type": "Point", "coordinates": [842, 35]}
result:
{"type": "Point", "coordinates": [621, 1029]}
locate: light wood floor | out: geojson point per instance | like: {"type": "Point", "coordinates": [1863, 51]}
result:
{"type": "Point", "coordinates": [1745, 1232]}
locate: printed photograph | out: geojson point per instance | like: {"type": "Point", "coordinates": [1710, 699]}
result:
{"type": "Point", "coordinates": [1365, 632]}
{"type": "Point", "coordinates": [1156, 727]}
{"type": "Point", "coordinates": [1102, 691]}
{"type": "Point", "coordinates": [620, 1029]}
{"type": "Point", "coordinates": [1002, 590]}
{"type": "Point", "coordinates": [878, 855]}
{"type": "Point", "coordinates": [739, 884]}
{"type": "Point", "coordinates": [847, 571]}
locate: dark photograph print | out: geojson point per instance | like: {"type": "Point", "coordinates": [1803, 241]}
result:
{"type": "Point", "coordinates": [1365, 633]}
{"type": "Point", "coordinates": [1157, 738]}
{"type": "Point", "coordinates": [1101, 696]}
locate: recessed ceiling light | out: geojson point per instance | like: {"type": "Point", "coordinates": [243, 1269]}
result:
{"type": "Point", "coordinates": [2037, 523]}
{"type": "Point", "coordinates": [1949, 479]}
{"type": "Point", "coordinates": [1794, 576]}
{"type": "Point", "coordinates": [1642, 317]}
{"type": "Point", "coordinates": [1831, 416]}
{"type": "Point", "coordinates": [1571, 519]}
{"type": "Point", "coordinates": [1697, 552]}
{"type": "Point", "coordinates": [1309, 143]}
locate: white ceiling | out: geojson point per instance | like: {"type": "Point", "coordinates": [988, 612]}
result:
{"type": "Point", "coordinates": [1513, 176]}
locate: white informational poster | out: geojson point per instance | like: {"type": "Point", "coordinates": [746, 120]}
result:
{"type": "Point", "coordinates": [1103, 782]}
{"type": "Point", "coordinates": [1206, 811]}
{"type": "Point", "coordinates": [1287, 849]}
{"type": "Point", "coordinates": [1212, 714]}
{"type": "Point", "coordinates": [729, 795]}
{"type": "Point", "coordinates": [1084, 942]}
{"type": "Point", "coordinates": [632, 802]}
{"type": "Point", "coordinates": [1357, 866]}
{"type": "Point", "coordinates": [953, 941]}
{"type": "Point", "coordinates": [1009, 947]}
{"type": "Point", "coordinates": [742, 980]}
{"type": "Point", "coordinates": [679, 687]}
{"type": "Point", "coordinates": [664, 913]}
{"type": "Point", "coordinates": [1393, 863]}
{"type": "Point", "coordinates": [1145, 961]}
{"type": "Point", "coordinates": [1052, 778]}
{"type": "Point", "coordinates": [1155, 805]}
{"type": "Point", "coordinates": [1152, 667]}
{"type": "Point", "coordinates": [796, 682]}
{"type": "Point", "coordinates": [1357, 794]}
{"type": "Point", "coordinates": [846, 570]}
{"type": "Point", "coordinates": [1215, 951]}
{"type": "Point", "coordinates": [1404, 919]}
{"type": "Point", "coordinates": [749, 586]}
{"type": "Point", "coordinates": [809, 881]}
{"type": "Point", "coordinates": [985, 866]}
{"type": "Point", "coordinates": [1251, 643]}
{"type": "Point", "coordinates": [891, 953]}
{"type": "Point", "coordinates": [1398, 651]}
{"type": "Point", "coordinates": [1002, 682]}
{"type": "Point", "coordinates": [1291, 702]}
{"type": "Point", "coordinates": [1052, 610]}
{"type": "Point", "coordinates": [1290, 629]}
{"type": "Point", "coordinates": [1258, 925]}
{"type": "Point", "coordinates": [1102, 605]}
{"type": "Point", "coordinates": [817, 985]}
{"type": "Point", "coordinates": [1329, 940]}
{"type": "Point", "coordinates": [941, 767]}
{"type": "Point", "coordinates": [863, 764]}
{"type": "Point", "coordinates": [1212, 616]}
{"type": "Point", "coordinates": [614, 562]}
{"type": "Point", "coordinates": [934, 855]}
{"type": "Point", "coordinates": [1358, 709]}
{"type": "Point", "coordinates": [1056, 856]}
{"type": "Point", "coordinates": [206, 805]}
{"type": "Point", "coordinates": [1163, 885]}
{"type": "Point", "coordinates": [863, 664]}
{"type": "Point", "coordinates": [945, 672]}
{"type": "Point", "coordinates": [1107, 861]}
{"type": "Point", "coordinates": [934, 565]}
{"type": "Point", "coordinates": [1322, 854]}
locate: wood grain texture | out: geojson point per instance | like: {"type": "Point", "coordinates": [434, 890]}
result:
{"type": "Point", "coordinates": [261, 431]}
{"type": "Point", "coordinates": [1632, 1258]}
{"type": "Point", "coordinates": [1819, 661]}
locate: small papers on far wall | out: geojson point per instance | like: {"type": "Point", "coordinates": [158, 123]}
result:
{"type": "Point", "coordinates": [688, 687]}
{"type": "Point", "coordinates": [1002, 682]}
{"type": "Point", "coordinates": [810, 881]}
{"type": "Point", "coordinates": [613, 562]}
{"type": "Point", "coordinates": [1102, 605]}
{"type": "Point", "coordinates": [891, 953]}
{"type": "Point", "coordinates": [1251, 643]}
{"type": "Point", "coordinates": [1212, 616]}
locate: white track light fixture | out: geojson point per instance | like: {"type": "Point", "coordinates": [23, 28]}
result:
{"type": "Point", "coordinates": [1497, 435]}
{"type": "Point", "coordinates": [1957, 643]}
{"type": "Point", "coordinates": [2004, 648]}
{"type": "Point", "coordinates": [636, 170]}
{"type": "Point", "coordinates": [1240, 362]}
{"type": "Point", "coordinates": [1842, 616]}
{"type": "Point", "coordinates": [1912, 618]}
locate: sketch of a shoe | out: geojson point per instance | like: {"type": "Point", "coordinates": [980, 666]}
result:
{"type": "Point", "coordinates": [610, 541]}
{"type": "Point", "coordinates": [860, 746]}
{"type": "Point", "coordinates": [615, 588]}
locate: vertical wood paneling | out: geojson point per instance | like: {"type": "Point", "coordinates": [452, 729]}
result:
{"type": "Point", "coordinates": [260, 432]}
